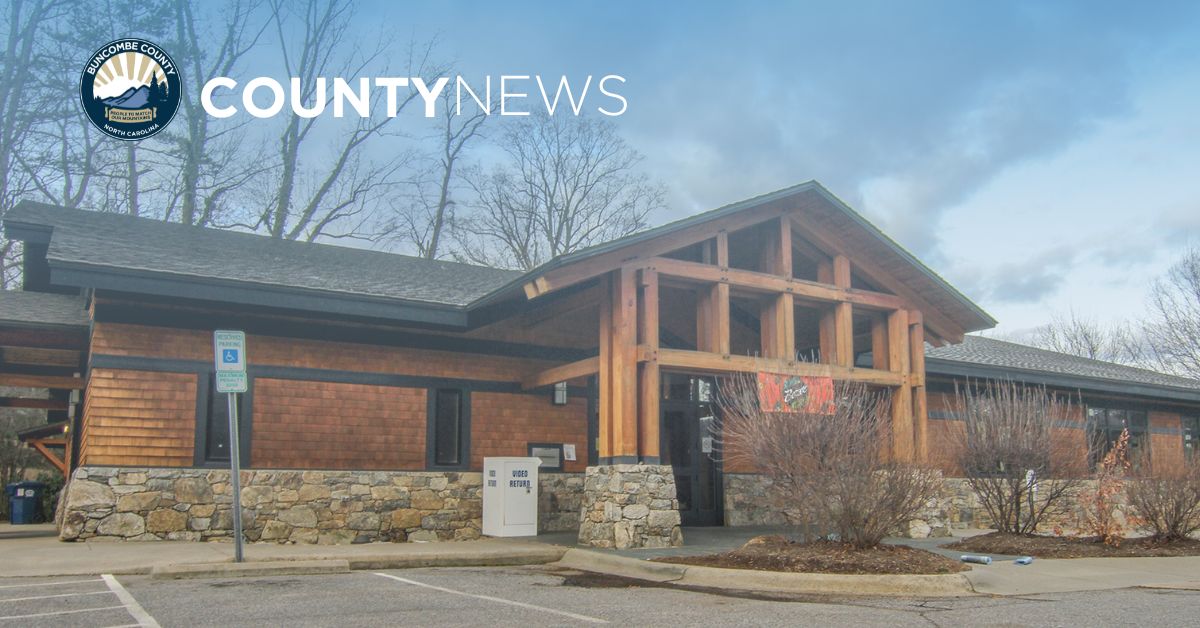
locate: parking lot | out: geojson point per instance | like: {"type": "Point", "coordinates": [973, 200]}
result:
{"type": "Point", "coordinates": [531, 595]}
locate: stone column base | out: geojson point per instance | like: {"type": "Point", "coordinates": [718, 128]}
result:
{"type": "Point", "coordinates": [629, 506]}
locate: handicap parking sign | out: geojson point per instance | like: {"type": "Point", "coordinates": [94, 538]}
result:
{"type": "Point", "coordinates": [229, 348]}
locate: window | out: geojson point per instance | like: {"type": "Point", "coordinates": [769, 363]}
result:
{"type": "Point", "coordinates": [1191, 436]}
{"type": "Point", "coordinates": [212, 425]}
{"type": "Point", "coordinates": [1104, 427]}
{"type": "Point", "coordinates": [449, 428]}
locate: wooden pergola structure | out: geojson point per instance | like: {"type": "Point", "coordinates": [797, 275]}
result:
{"type": "Point", "coordinates": [41, 365]}
{"type": "Point", "coordinates": [631, 357]}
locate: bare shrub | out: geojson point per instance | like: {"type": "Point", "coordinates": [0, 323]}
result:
{"type": "Point", "coordinates": [829, 469]}
{"type": "Point", "coordinates": [1098, 505]}
{"type": "Point", "coordinates": [1167, 501]}
{"type": "Point", "coordinates": [1022, 470]}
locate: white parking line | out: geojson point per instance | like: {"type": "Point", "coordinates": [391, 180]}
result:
{"type": "Point", "coordinates": [46, 597]}
{"type": "Point", "coordinates": [46, 584]}
{"type": "Point", "coordinates": [489, 598]}
{"type": "Point", "coordinates": [139, 614]}
{"type": "Point", "coordinates": [78, 610]}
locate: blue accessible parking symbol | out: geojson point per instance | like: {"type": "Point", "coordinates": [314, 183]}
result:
{"type": "Point", "coordinates": [229, 356]}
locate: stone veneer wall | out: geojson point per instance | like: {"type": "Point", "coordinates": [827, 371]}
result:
{"type": "Point", "coordinates": [326, 507]}
{"type": "Point", "coordinates": [560, 499]}
{"type": "Point", "coordinates": [629, 506]}
{"type": "Point", "coordinates": [748, 502]}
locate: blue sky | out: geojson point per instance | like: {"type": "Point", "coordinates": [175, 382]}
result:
{"type": "Point", "coordinates": [1042, 156]}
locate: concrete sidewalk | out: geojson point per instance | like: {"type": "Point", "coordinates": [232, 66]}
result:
{"type": "Point", "coordinates": [27, 555]}
{"type": "Point", "coordinates": [1085, 574]}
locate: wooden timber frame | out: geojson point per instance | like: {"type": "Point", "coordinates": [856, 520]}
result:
{"type": "Point", "coordinates": [631, 359]}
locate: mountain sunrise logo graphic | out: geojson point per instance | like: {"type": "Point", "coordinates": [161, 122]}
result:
{"type": "Point", "coordinates": [130, 89]}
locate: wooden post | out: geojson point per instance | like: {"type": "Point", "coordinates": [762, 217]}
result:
{"type": "Point", "coordinates": [843, 315]}
{"type": "Point", "coordinates": [604, 446]}
{"type": "Point", "coordinates": [624, 365]}
{"type": "Point", "coordinates": [898, 359]}
{"type": "Point", "coordinates": [879, 342]}
{"type": "Point", "coordinates": [649, 386]}
{"type": "Point", "coordinates": [777, 252]}
{"type": "Point", "coordinates": [712, 315]}
{"type": "Point", "coordinates": [825, 328]}
{"type": "Point", "coordinates": [777, 319]}
{"type": "Point", "coordinates": [916, 343]}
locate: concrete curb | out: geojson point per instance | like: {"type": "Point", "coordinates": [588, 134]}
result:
{"type": "Point", "coordinates": [241, 570]}
{"type": "Point", "coordinates": [945, 585]}
{"type": "Point", "coordinates": [343, 564]}
{"type": "Point", "coordinates": [490, 559]}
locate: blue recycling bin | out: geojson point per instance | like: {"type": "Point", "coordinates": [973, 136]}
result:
{"type": "Point", "coordinates": [24, 502]}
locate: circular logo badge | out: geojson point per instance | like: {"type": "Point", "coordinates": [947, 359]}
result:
{"type": "Point", "coordinates": [130, 89]}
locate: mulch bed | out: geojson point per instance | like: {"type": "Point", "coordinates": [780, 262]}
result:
{"type": "Point", "coordinates": [777, 553]}
{"type": "Point", "coordinates": [1071, 547]}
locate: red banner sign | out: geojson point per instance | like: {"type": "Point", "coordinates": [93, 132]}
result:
{"type": "Point", "coordinates": [794, 393]}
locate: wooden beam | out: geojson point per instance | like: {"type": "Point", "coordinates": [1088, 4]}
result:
{"type": "Point", "coordinates": [37, 404]}
{"type": "Point", "coordinates": [562, 373]}
{"type": "Point", "coordinates": [649, 376]}
{"type": "Point", "coordinates": [49, 455]}
{"type": "Point", "coordinates": [828, 343]}
{"type": "Point", "coordinates": [782, 239]}
{"type": "Point", "coordinates": [938, 323]}
{"type": "Point", "coordinates": [604, 445]}
{"type": "Point", "coordinates": [843, 333]}
{"type": "Point", "coordinates": [601, 263]}
{"type": "Point", "coordinates": [41, 381]}
{"type": "Point", "coordinates": [778, 327]}
{"type": "Point", "coordinates": [624, 360]}
{"type": "Point", "coordinates": [841, 271]}
{"type": "Point", "coordinates": [920, 413]}
{"type": "Point", "coordinates": [33, 337]}
{"type": "Point", "coordinates": [715, 363]}
{"type": "Point", "coordinates": [763, 283]}
{"type": "Point", "coordinates": [898, 360]}
{"type": "Point", "coordinates": [879, 342]}
{"type": "Point", "coordinates": [42, 357]}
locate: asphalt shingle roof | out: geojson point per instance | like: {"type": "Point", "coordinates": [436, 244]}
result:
{"type": "Point", "coordinates": [41, 308]}
{"type": "Point", "coordinates": [977, 350]}
{"type": "Point", "coordinates": [120, 241]}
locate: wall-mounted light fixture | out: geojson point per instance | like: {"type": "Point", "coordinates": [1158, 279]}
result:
{"type": "Point", "coordinates": [560, 394]}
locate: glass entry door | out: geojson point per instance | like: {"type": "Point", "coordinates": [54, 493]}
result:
{"type": "Point", "coordinates": [687, 444]}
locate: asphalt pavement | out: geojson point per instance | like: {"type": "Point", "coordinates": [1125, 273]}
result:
{"type": "Point", "coordinates": [536, 595]}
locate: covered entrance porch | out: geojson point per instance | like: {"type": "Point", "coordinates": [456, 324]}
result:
{"type": "Point", "coordinates": [769, 288]}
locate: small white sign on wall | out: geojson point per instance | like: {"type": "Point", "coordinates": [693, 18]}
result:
{"type": "Point", "coordinates": [569, 451]}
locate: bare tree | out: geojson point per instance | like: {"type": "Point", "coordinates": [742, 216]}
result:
{"type": "Point", "coordinates": [1085, 337]}
{"type": "Point", "coordinates": [207, 152]}
{"type": "Point", "coordinates": [1174, 325]}
{"type": "Point", "coordinates": [421, 214]}
{"type": "Point", "coordinates": [825, 462]}
{"type": "Point", "coordinates": [1018, 463]}
{"type": "Point", "coordinates": [569, 182]}
{"type": "Point", "coordinates": [22, 107]}
{"type": "Point", "coordinates": [331, 195]}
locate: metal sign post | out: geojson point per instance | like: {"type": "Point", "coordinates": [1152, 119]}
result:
{"type": "Point", "coordinates": [229, 354]}
{"type": "Point", "coordinates": [235, 477]}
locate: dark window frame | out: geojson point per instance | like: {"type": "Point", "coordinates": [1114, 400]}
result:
{"type": "Point", "coordinates": [206, 395]}
{"type": "Point", "coordinates": [559, 446]}
{"type": "Point", "coordinates": [1116, 417]}
{"type": "Point", "coordinates": [464, 429]}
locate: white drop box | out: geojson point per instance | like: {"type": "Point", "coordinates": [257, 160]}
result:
{"type": "Point", "coordinates": [510, 496]}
